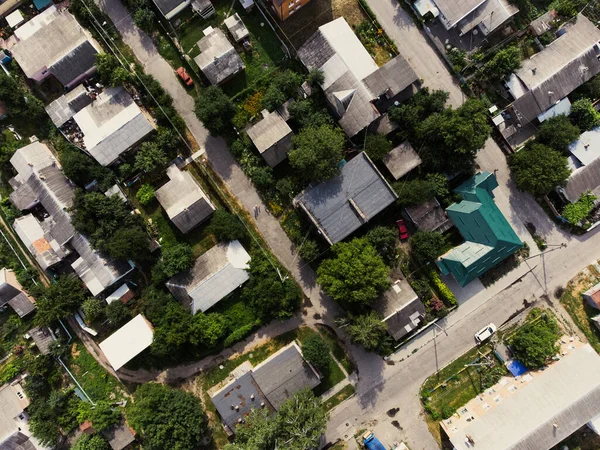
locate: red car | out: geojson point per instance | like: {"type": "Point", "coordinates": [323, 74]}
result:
{"type": "Point", "coordinates": [402, 230]}
{"type": "Point", "coordinates": [185, 77]}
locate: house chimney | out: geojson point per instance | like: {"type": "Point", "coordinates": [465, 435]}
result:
{"type": "Point", "coordinates": [534, 70]}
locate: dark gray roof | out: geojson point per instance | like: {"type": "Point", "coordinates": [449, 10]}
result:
{"type": "Point", "coordinates": [393, 77]}
{"type": "Point", "coordinates": [583, 179]}
{"type": "Point", "coordinates": [66, 106]}
{"type": "Point", "coordinates": [218, 60]}
{"type": "Point", "coordinates": [284, 374]}
{"type": "Point", "coordinates": [166, 6]}
{"type": "Point", "coordinates": [22, 305]}
{"type": "Point", "coordinates": [340, 206]}
{"type": "Point", "coordinates": [429, 216]}
{"type": "Point", "coordinates": [119, 436]}
{"type": "Point", "coordinates": [43, 339]}
{"type": "Point", "coordinates": [75, 63]}
{"type": "Point", "coordinates": [17, 441]}
{"type": "Point", "coordinates": [11, 293]}
{"type": "Point", "coordinates": [272, 137]}
{"type": "Point", "coordinates": [238, 394]}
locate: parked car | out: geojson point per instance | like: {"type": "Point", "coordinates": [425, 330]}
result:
{"type": "Point", "coordinates": [371, 442]}
{"type": "Point", "coordinates": [485, 333]}
{"type": "Point", "coordinates": [402, 230]}
{"type": "Point", "coordinates": [185, 77]}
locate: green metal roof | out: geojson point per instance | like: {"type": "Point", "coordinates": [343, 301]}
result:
{"type": "Point", "coordinates": [489, 238]}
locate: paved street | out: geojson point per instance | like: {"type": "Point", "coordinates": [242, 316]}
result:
{"type": "Point", "coordinates": [385, 385]}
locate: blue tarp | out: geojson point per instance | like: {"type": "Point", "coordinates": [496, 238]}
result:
{"type": "Point", "coordinates": [372, 443]}
{"type": "Point", "coordinates": [41, 4]}
{"type": "Point", "coordinates": [516, 367]}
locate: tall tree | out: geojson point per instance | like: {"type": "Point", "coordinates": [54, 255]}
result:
{"type": "Point", "coordinates": [558, 133]}
{"type": "Point", "coordinates": [214, 109]}
{"type": "Point", "coordinates": [301, 421]}
{"type": "Point", "coordinates": [93, 442]}
{"type": "Point", "coordinates": [150, 157]}
{"type": "Point", "coordinates": [384, 241]}
{"type": "Point", "coordinates": [58, 300]}
{"type": "Point", "coordinates": [226, 226]}
{"type": "Point", "coordinates": [356, 275]}
{"type": "Point", "coordinates": [167, 418]}
{"type": "Point", "coordinates": [369, 331]}
{"type": "Point", "coordinates": [427, 245]}
{"type": "Point", "coordinates": [377, 146]}
{"type": "Point", "coordinates": [583, 114]}
{"type": "Point", "coordinates": [538, 168]}
{"type": "Point", "coordinates": [316, 351]}
{"type": "Point", "coordinates": [317, 152]}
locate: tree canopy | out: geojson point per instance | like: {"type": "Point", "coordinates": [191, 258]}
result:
{"type": "Point", "coordinates": [283, 86]}
{"type": "Point", "coordinates": [306, 115]}
{"type": "Point", "coordinates": [317, 152]}
{"type": "Point", "coordinates": [150, 157]}
{"type": "Point", "coordinates": [91, 442]}
{"type": "Point", "coordinates": [583, 114]}
{"type": "Point", "coordinates": [558, 133]}
{"type": "Point", "coordinates": [167, 418]}
{"type": "Point", "coordinates": [578, 211]}
{"type": "Point", "coordinates": [59, 299]}
{"type": "Point", "coordinates": [384, 241]}
{"type": "Point", "coordinates": [226, 226]}
{"type": "Point", "coordinates": [316, 351]}
{"type": "Point", "coordinates": [505, 62]}
{"type": "Point", "coordinates": [427, 245]}
{"type": "Point", "coordinates": [536, 342]}
{"type": "Point", "coordinates": [20, 104]}
{"type": "Point", "coordinates": [356, 275]}
{"type": "Point", "coordinates": [214, 109]}
{"type": "Point", "coordinates": [173, 259]}
{"type": "Point", "coordinates": [377, 146]}
{"type": "Point", "coordinates": [538, 168]}
{"type": "Point", "coordinates": [419, 190]}
{"type": "Point", "coordinates": [413, 112]}
{"type": "Point", "coordinates": [81, 168]}
{"type": "Point", "coordinates": [369, 331]}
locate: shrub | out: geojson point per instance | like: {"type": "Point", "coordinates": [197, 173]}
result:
{"type": "Point", "coordinates": [92, 308]}
{"type": "Point", "coordinates": [377, 146]}
{"type": "Point", "coordinates": [309, 251]}
{"type": "Point", "coordinates": [583, 114]}
{"type": "Point", "coordinates": [316, 352]}
{"type": "Point", "coordinates": [427, 245]}
{"type": "Point", "coordinates": [442, 290]}
{"type": "Point", "coordinates": [558, 133]}
{"type": "Point", "coordinates": [535, 342]}
{"type": "Point", "coordinates": [145, 194]}
{"type": "Point", "coordinates": [225, 226]}
{"type": "Point", "coordinates": [238, 335]}
{"type": "Point", "coordinates": [578, 211]}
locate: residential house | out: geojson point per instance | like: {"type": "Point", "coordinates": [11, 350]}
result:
{"type": "Point", "coordinates": [236, 28]}
{"type": "Point", "coordinates": [42, 190]}
{"type": "Point", "coordinates": [272, 137]}
{"type": "Point", "coordinates": [119, 437]}
{"type": "Point", "coordinates": [66, 106]}
{"type": "Point", "coordinates": [53, 43]}
{"type": "Point", "coordinates": [429, 216]}
{"type": "Point", "coordinates": [340, 206]}
{"type": "Point", "coordinates": [592, 296]}
{"type": "Point", "coordinates": [265, 386]}
{"type": "Point", "coordinates": [400, 307]}
{"type": "Point", "coordinates": [286, 8]}
{"type": "Point", "coordinates": [14, 430]}
{"type": "Point", "coordinates": [111, 124]}
{"type": "Point", "coordinates": [128, 341]}
{"type": "Point", "coordinates": [541, 86]}
{"type": "Point", "coordinates": [537, 410]}
{"type": "Point", "coordinates": [170, 8]}
{"type": "Point", "coordinates": [584, 161]}
{"type": "Point", "coordinates": [358, 91]}
{"type": "Point", "coordinates": [489, 238]}
{"type": "Point", "coordinates": [401, 160]}
{"type": "Point", "coordinates": [218, 60]}
{"type": "Point", "coordinates": [215, 274]}
{"type": "Point", "coordinates": [464, 16]}
{"type": "Point", "coordinates": [183, 199]}
{"type": "Point", "coordinates": [12, 294]}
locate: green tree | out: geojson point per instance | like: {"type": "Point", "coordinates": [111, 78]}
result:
{"type": "Point", "coordinates": [258, 433]}
{"type": "Point", "coordinates": [536, 342]}
{"type": "Point", "coordinates": [91, 442]}
{"type": "Point", "coordinates": [145, 194]}
{"type": "Point", "coordinates": [418, 191]}
{"type": "Point", "coordinates": [301, 421]}
{"type": "Point", "coordinates": [558, 133]}
{"type": "Point", "coordinates": [309, 250]}
{"type": "Point", "coordinates": [316, 352]}
{"type": "Point", "coordinates": [106, 64]}
{"type": "Point", "coordinates": [8, 146]}
{"type": "Point", "coordinates": [584, 115]}
{"type": "Point", "coordinates": [368, 331]}
{"type": "Point", "coordinates": [117, 314]}
{"type": "Point", "coordinates": [578, 211]}
{"type": "Point", "coordinates": [102, 415]}
{"type": "Point", "coordinates": [427, 245]}
{"type": "Point", "coordinates": [283, 86]}
{"type": "Point", "coordinates": [384, 241]}
{"type": "Point", "coordinates": [225, 226]}
{"type": "Point", "coordinates": [167, 418]}
{"type": "Point", "coordinates": [19, 102]}
{"type": "Point", "coordinates": [305, 114]}
{"type": "Point", "coordinates": [172, 330]}
{"type": "Point", "coordinates": [58, 300]}
{"type": "Point", "coordinates": [167, 140]}
{"type": "Point", "coordinates": [92, 308]}
{"type": "Point", "coordinates": [80, 168]}
{"type": "Point", "coordinates": [208, 329]}
{"type": "Point", "coordinates": [452, 137]}
{"type": "Point", "coordinates": [144, 19]}
{"type": "Point", "coordinates": [315, 77]}
{"type": "Point", "coordinates": [119, 77]}
{"type": "Point", "coordinates": [377, 146]}
{"type": "Point", "coordinates": [268, 295]}
{"type": "Point", "coordinates": [505, 62]}
{"type": "Point", "coordinates": [150, 157]}
{"type": "Point", "coordinates": [175, 259]}
{"type": "Point", "coordinates": [286, 187]}
{"type": "Point", "coordinates": [317, 153]}
{"type": "Point", "coordinates": [262, 177]}
{"type": "Point", "coordinates": [356, 275]}
{"type": "Point", "coordinates": [539, 169]}
{"type": "Point", "coordinates": [419, 107]}
{"type": "Point", "coordinates": [214, 109]}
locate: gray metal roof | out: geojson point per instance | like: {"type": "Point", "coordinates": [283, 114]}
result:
{"type": "Point", "coordinates": [456, 10]}
{"type": "Point", "coordinates": [215, 274]}
{"type": "Point", "coordinates": [11, 293]}
{"type": "Point", "coordinates": [567, 393]}
{"type": "Point", "coordinates": [111, 125]}
{"type": "Point", "coordinates": [48, 40]}
{"type": "Point", "coordinates": [218, 60]}
{"type": "Point", "coordinates": [66, 106]}
{"type": "Point", "coordinates": [237, 28]}
{"type": "Point", "coordinates": [342, 205]}
{"type": "Point", "coordinates": [43, 339]}
{"type": "Point", "coordinates": [586, 178]}
{"type": "Point", "coordinates": [38, 241]}
{"type": "Point", "coordinates": [17, 441]}
{"type": "Point", "coordinates": [272, 137]}
{"type": "Point", "coordinates": [489, 16]}
{"type": "Point", "coordinates": [429, 216]}
{"type": "Point", "coordinates": [401, 160]}
{"type": "Point", "coordinates": [119, 436]}
{"type": "Point", "coordinates": [238, 394]}
{"type": "Point", "coordinates": [284, 374]}
{"type": "Point", "coordinates": [352, 79]}
{"type": "Point", "coordinates": [166, 6]}
{"type": "Point", "coordinates": [184, 200]}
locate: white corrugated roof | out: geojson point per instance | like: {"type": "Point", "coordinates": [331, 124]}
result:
{"type": "Point", "coordinates": [128, 341]}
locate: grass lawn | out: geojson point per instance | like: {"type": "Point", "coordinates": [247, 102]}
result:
{"type": "Point", "coordinates": [337, 349]}
{"type": "Point", "coordinates": [98, 384]}
{"type": "Point", "coordinates": [580, 311]}
{"type": "Point", "coordinates": [345, 393]}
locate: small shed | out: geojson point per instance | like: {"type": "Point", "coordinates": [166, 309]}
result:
{"type": "Point", "coordinates": [128, 341]}
{"type": "Point", "coordinates": [236, 28]}
{"type": "Point", "coordinates": [592, 296]}
{"type": "Point", "coordinates": [272, 137]}
{"type": "Point", "coordinates": [122, 294]}
{"type": "Point", "coordinates": [429, 216]}
{"type": "Point", "coordinates": [543, 23]}
{"type": "Point", "coordinates": [401, 160]}
{"type": "Point", "coordinates": [15, 18]}
{"type": "Point", "coordinates": [43, 338]}
{"type": "Point", "coordinates": [248, 5]}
